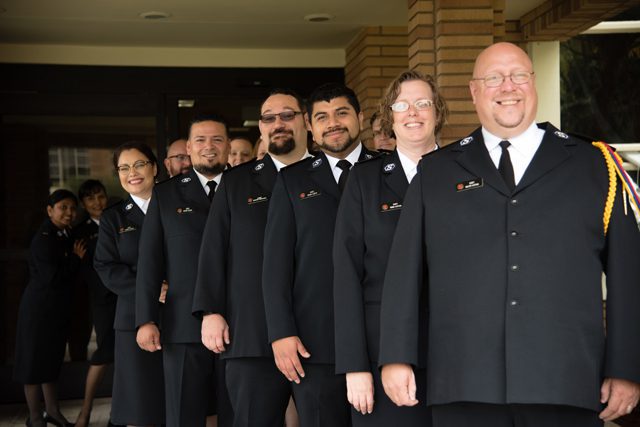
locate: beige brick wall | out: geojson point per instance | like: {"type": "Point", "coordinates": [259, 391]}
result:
{"type": "Point", "coordinates": [374, 57]}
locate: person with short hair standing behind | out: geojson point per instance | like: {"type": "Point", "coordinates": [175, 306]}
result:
{"type": "Point", "coordinates": [93, 197]}
{"type": "Point", "coordinates": [138, 381]}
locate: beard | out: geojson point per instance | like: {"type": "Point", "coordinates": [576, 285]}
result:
{"type": "Point", "coordinates": [339, 147]}
{"type": "Point", "coordinates": [285, 147]}
{"type": "Point", "coordinates": [210, 170]}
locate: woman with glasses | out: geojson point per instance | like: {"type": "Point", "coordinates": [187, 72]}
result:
{"type": "Point", "coordinates": [44, 313]}
{"type": "Point", "coordinates": [413, 109]}
{"type": "Point", "coordinates": [138, 381]}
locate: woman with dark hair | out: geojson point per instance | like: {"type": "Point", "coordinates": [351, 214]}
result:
{"type": "Point", "coordinates": [413, 109]}
{"type": "Point", "coordinates": [43, 316]}
{"type": "Point", "coordinates": [93, 197]}
{"type": "Point", "coordinates": [138, 381]}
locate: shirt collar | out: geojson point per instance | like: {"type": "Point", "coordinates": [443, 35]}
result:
{"type": "Point", "coordinates": [279, 165]}
{"type": "Point", "coordinates": [351, 158]}
{"type": "Point", "coordinates": [203, 179]}
{"type": "Point", "coordinates": [521, 143]}
{"type": "Point", "coordinates": [142, 203]}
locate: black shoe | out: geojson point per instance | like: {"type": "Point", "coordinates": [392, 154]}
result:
{"type": "Point", "coordinates": [38, 423]}
{"type": "Point", "coordinates": [48, 419]}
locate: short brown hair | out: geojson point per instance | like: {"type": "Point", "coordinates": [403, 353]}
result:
{"type": "Point", "coordinates": [392, 92]}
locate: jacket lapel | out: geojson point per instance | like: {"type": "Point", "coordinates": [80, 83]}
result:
{"type": "Point", "coordinates": [393, 175]}
{"type": "Point", "coordinates": [551, 153]}
{"type": "Point", "coordinates": [320, 172]}
{"type": "Point", "coordinates": [192, 191]}
{"type": "Point", "coordinates": [264, 174]}
{"type": "Point", "coordinates": [475, 158]}
{"type": "Point", "coordinates": [132, 212]}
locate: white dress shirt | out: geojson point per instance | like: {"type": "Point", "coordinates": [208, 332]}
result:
{"type": "Point", "coordinates": [279, 165]}
{"type": "Point", "coordinates": [522, 149]}
{"type": "Point", "coordinates": [410, 168]}
{"type": "Point", "coordinates": [203, 181]}
{"type": "Point", "coordinates": [142, 203]}
{"type": "Point", "coordinates": [351, 158]}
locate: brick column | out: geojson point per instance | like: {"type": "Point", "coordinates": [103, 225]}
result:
{"type": "Point", "coordinates": [373, 58]}
{"type": "Point", "coordinates": [463, 29]}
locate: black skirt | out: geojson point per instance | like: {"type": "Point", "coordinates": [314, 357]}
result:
{"type": "Point", "coordinates": [103, 317]}
{"type": "Point", "coordinates": [41, 335]}
{"type": "Point", "coordinates": [138, 383]}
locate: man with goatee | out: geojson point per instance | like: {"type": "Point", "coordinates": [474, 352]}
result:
{"type": "Point", "coordinates": [297, 270]}
{"type": "Point", "coordinates": [169, 248]}
{"type": "Point", "coordinates": [228, 294]}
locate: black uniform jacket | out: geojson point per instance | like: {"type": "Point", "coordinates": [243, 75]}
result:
{"type": "Point", "coordinates": [514, 279]}
{"type": "Point", "coordinates": [87, 230]}
{"type": "Point", "coordinates": [297, 273]}
{"type": "Point", "coordinates": [169, 249]}
{"type": "Point", "coordinates": [367, 218]}
{"type": "Point", "coordinates": [230, 267]}
{"type": "Point", "coordinates": [116, 257]}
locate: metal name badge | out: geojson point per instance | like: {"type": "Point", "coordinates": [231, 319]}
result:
{"type": "Point", "coordinates": [184, 210]}
{"type": "Point", "coordinates": [472, 184]}
{"type": "Point", "coordinates": [258, 167]}
{"type": "Point", "coordinates": [466, 140]}
{"type": "Point", "coordinates": [309, 194]}
{"type": "Point", "coordinates": [129, 206]}
{"type": "Point", "coordinates": [316, 163]}
{"type": "Point", "coordinates": [185, 180]}
{"type": "Point", "coordinates": [389, 167]}
{"type": "Point", "coordinates": [257, 199]}
{"type": "Point", "coordinates": [561, 135]}
{"type": "Point", "coordinates": [390, 206]}
{"type": "Point", "coordinates": [128, 229]}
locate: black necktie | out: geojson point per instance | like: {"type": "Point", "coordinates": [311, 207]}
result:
{"type": "Point", "coordinates": [505, 167]}
{"type": "Point", "coordinates": [345, 165]}
{"type": "Point", "coordinates": [212, 189]}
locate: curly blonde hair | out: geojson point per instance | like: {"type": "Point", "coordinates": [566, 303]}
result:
{"type": "Point", "coordinates": [391, 95]}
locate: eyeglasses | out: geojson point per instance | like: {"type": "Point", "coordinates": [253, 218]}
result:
{"type": "Point", "coordinates": [180, 157]}
{"type": "Point", "coordinates": [495, 80]}
{"type": "Point", "coordinates": [138, 166]}
{"type": "Point", "coordinates": [285, 116]}
{"type": "Point", "coordinates": [420, 105]}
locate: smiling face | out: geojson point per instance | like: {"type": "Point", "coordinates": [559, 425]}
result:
{"type": "Point", "coordinates": [138, 181]}
{"type": "Point", "coordinates": [95, 203]}
{"type": "Point", "coordinates": [413, 125]}
{"type": "Point", "coordinates": [509, 109]}
{"type": "Point", "coordinates": [208, 147]}
{"type": "Point", "coordinates": [241, 151]}
{"type": "Point", "coordinates": [380, 139]}
{"type": "Point", "coordinates": [281, 137]}
{"type": "Point", "coordinates": [62, 213]}
{"type": "Point", "coordinates": [335, 125]}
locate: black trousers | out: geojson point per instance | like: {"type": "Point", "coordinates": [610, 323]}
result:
{"type": "Point", "coordinates": [465, 414]}
{"type": "Point", "coordinates": [259, 393]}
{"type": "Point", "coordinates": [190, 390]}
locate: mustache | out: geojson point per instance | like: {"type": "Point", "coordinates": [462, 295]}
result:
{"type": "Point", "coordinates": [334, 129]}
{"type": "Point", "coordinates": [281, 130]}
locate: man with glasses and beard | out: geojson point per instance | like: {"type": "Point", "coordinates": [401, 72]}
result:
{"type": "Point", "coordinates": [297, 272]}
{"type": "Point", "coordinates": [177, 161]}
{"type": "Point", "coordinates": [228, 294]}
{"type": "Point", "coordinates": [169, 247]}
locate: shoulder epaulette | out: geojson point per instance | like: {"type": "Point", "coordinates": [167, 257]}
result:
{"type": "Point", "coordinates": [616, 171]}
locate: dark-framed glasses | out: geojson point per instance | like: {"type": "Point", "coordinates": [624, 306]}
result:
{"type": "Point", "coordinates": [138, 166]}
{"type": "Point", "coordinates": [285, 116]}
{"type": "Point", "coordinates": [420, 105]}
{"type": "Point", "coordinates": [495, 80]}
{"type": "Point", "coordinates": [180, 157]}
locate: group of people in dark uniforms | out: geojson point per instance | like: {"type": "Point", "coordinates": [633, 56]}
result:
{"type": "Point", "coordinates": [428, 285]}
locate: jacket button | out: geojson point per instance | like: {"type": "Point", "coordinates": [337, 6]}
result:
{"type": "Point", "coordinates": [514, 201]}
{"type": "Point", "coordinates": [514, 267]}
{"type": "Point", "coordinates": [514, 233]}
{"type": "Point", "coordinates": [513, 302]}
